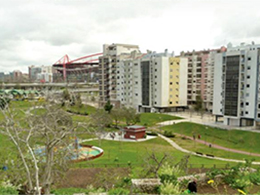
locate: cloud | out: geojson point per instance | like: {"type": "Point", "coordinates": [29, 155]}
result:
{"type": "Point", "coordinates": [41, 32]}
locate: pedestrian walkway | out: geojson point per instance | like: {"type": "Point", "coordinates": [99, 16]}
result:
{"type": "Point", "coordinates": [207, 119]}
{"type": "Point", "coordinates": [218, 146]}
{"type": "Point", "coordinates": [176, 146]}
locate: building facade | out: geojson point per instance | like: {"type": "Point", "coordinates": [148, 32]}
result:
{"type": "Point", "coordinates": [152, 82]}
{"type": "Point", "coordinates": [201, 76]}
{"type": "Point", "coordinates": [236, 85]}
{"type": "Point", "coordinates": [163, 82]}
{"type": "Point", "coordinates": [41, 74]}
{"type": "Point", "coordinates": [109, 69]}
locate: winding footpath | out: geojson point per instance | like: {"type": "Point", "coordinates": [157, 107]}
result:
{"type": "Point", "coordinates": [176, 146]}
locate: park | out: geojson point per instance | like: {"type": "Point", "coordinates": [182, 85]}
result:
{"type": "Point", "coordinates": [94, 156]}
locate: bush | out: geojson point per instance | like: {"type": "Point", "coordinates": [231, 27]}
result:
{"type": "Point", "coordinates": [170, 188]}
{"type": "Point", "coordinates": [69, 191]}
{"type": "Point", "coordinates": [118, 191]}
{"type": "Point", "coordinates": [152, 133]}
{"type": "Point", "coordinates": [8, 190]}
{"type": "Point", "coordinates": [168, 133]}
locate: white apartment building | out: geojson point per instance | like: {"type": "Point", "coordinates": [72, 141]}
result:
{"type": "Point", "coordinates": [153, 82]}
{"type": "Point", "coordinates": [110, 68]}
{"type": "Point", "coordinates": [236, 85]}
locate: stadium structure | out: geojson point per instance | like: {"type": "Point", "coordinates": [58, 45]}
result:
{"type": "Point", "coordinates": [83, 69]}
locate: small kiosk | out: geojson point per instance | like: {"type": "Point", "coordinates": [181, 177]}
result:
{"type": "Point", "coordinates": [134, 132]}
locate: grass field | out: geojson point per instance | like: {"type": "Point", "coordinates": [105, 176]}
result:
{"type": "Point", "coordinates": [241, 140]}
{"type": "Point", "coordinates": [123, 152]}
{"type": "Point", "coordinates": [151, 119]}
{"type": "Point", "coordinates": [198, 147]}
{"type": "Point", "coordinates": [82, 110]}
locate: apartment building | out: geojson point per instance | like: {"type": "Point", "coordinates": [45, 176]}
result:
{"type": "Point", "coordinates": [236, 85]}
{"type": "Point", "coordinates": [40, 73]}
{"type": "Point", "coordinates": [201, 76]}
{"type": "Point", "coordinates": [129, 81]}
{"type": "Point", "coordinates": [109, 69]}
{"type": "Point", "coordinates": [163, 82]}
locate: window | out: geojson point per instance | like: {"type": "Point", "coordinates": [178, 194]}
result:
{"type": "Point", "coordinates": [177, 102]}
{"type": "Point", "coordinates": [171, 63]}
{"type": "Point", "coordinates": [155, 63]}
{"type": "Point", "coordinates": [248, 76]}
{"type": "Point", "coordinates": [258, 115]}
{"type": "Point", "coordinates": [170, 102]}
{"type": "Point", "coordinates": [170, 83]}
{"type": "Point", "coordinates": [155, 83]}
{"type": "Point", "coordinates": [155, 76]}
{"type": "Point", "coordinates": [155, 70]}
{"type": "Point", "coordinates": [249, 58]}
{"type": "Point", "coordinates": [246, 112]}
{"type": "Point", "coordinates": [170, 70]}
{"type": "Point", "coordinates": [248, 68]}
{"type": "Point", "coordinates": [247, 103]}
{"type": "Point", "coordinates": [155, 102]}
{"type": "Point", "coordinates": [247, 85]}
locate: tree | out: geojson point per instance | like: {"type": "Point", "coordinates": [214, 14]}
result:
{"type": "Point", "coordinates": [153, 163]}
{"type": "Point", "coordinates": [4, 102]}
{"type": "Point", "coordinates": [131, 116]}
{"type": "Point", "coordinates": [50, 130]}
{"type": "Point", "coordinates": [117, 115]}
{"type": "Point", "coordinates": [198, 107]}
{"type": "Point", "coordinates": [66, 95]}
{"type": "Point", "coordinates": [100, 120]}
{"type": "Point", "coordinates": [78, 100]}
{"type": "Point", "coordinates": [199, 104]}
{"type": "Point", "coordinates": [108, 107]}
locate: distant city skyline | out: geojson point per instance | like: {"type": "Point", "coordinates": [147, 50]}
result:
{"type": "Point", "coordinates": [41, 32]}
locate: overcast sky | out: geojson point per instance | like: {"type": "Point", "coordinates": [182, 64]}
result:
{"type": "Point", "coordinates": [40, 32]}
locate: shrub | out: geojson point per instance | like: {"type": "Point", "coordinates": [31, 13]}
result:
{"type": "Point", "coordinates": [152, 133]}
{"type": "Point", "coordinates": [168, 133]}
{"type": "Point", "coordinates": [118, 191]}
{"type": "Point", "coordinates": [8, 190]}
{"type": "Point", "coordinates": [170, 188]}
{"type": "Point", "coordinates": [69, 191]}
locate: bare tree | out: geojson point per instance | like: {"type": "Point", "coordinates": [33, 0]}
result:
{"type": "Point", "coordinates": [49, 130]}
{"type": "Point", "coordinates": [100, 120]}
{"type": "Point", "coordinates": [117, 115]}
{"type": "Point", "coordinates": [154, 162]}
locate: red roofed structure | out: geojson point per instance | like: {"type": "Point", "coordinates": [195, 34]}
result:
{"type": "Point", "coordinates": [134, 132]}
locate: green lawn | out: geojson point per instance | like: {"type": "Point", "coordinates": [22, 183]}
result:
{"type": "Point", "coordinates": [151, 119]}
{"type": "Point", "coordinates": [198, 147]}
{"type": "Point", "coordinates": [241, 140]}
{"type": "Point", "coordinates": [82, 110]}
{"type": "Point", "coordinates": [135, 152]}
